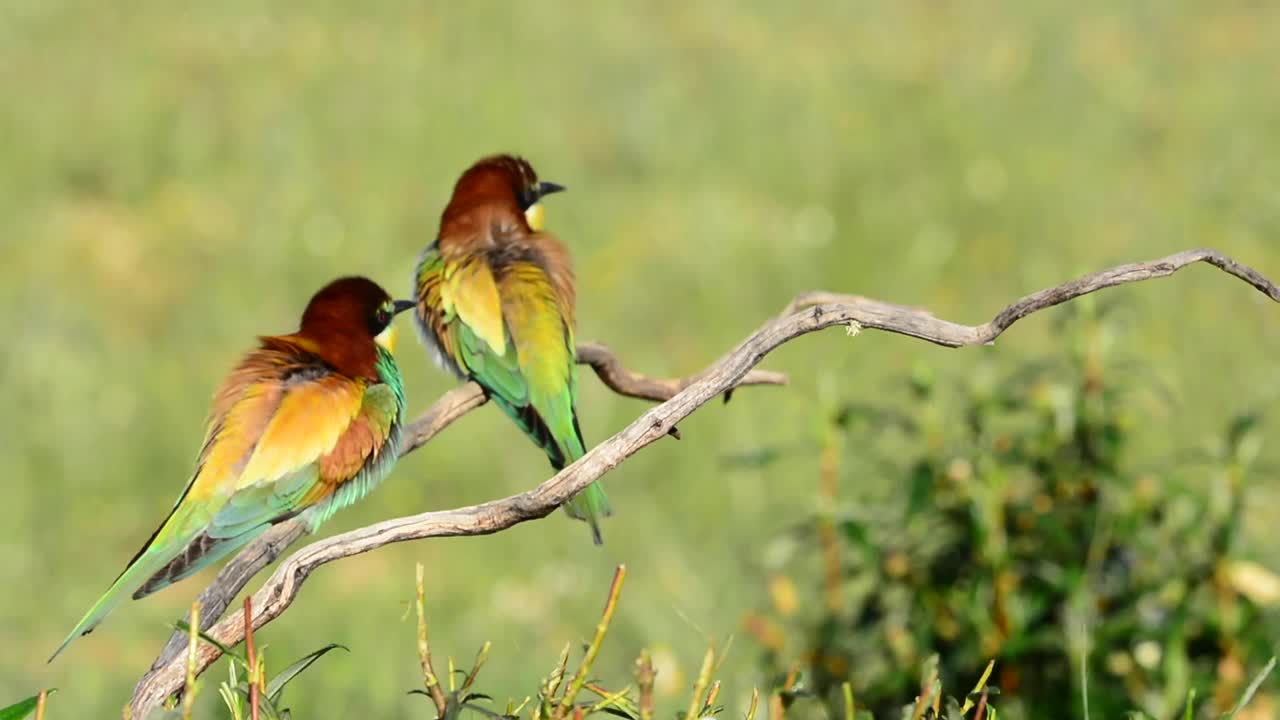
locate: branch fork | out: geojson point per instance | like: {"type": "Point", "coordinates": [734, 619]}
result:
{"type": "Point", "coordinates": [679, 398]}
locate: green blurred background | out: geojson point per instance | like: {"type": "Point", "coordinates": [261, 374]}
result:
{"type": "Point", "coordinates": [177, 178]}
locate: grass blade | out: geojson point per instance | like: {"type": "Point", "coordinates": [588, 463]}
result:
{"type": "Point", "coordinates": [1250, 691]}
{"type": "Point", "coordinates": [184, 627]}
{"type": "Point", "coordinates": [982, 684]}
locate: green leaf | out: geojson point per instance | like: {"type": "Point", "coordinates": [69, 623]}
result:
{"type": "Point", "coordinates": [184, 627]}
{"type": "Point", "coordinates": [276, 685]}
{"type": "Point", "coordinates": [265, 705]}
{"type": "Point", "coordinates": [23, 708]}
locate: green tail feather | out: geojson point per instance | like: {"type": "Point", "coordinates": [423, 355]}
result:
{"type": "Point", "coordinates": [590, 505]}
{"type": "Point", "coordinates": [139, 571]}
{"type": "Point", "coordinates": [178, 548]}
{"type": "Point", "coordinates": [199, 554]}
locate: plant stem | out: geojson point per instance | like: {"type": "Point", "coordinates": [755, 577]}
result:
{"type": "Point", "coordinates": [829, 468]}
{"type": "Point", "coordinates": [982, 683]}
{"type": "Point", "coordinates": [251, 656]}
{"type": "Point", "coordinates": [193, 648]}
{"type": "Point", "coordinates": [481, 657]}
{"type": "Point", "coordinates": [580, 677]}
{"type": "Point", "coordinates": [776, 709]}
{"type": "Point", "coordinates": [644, 679]}
{"type": "Point", "coordinates": [712, 694]}
{"type": "Point", "coordinates": [424, 652]}
{"type": "Point", "coordinates": [556, 677]}
{"type": "Point", "coordinates": [700, 685]}
{"type": "Point", "coordinates": [40, 704]}
{"type": "Point", "coordinates": [927, 689]}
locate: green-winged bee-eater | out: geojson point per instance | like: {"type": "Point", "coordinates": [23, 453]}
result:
{"type": "Point", "coordinates": [305, 425]}
{"type": "Point", "coordinates": [495, 304]}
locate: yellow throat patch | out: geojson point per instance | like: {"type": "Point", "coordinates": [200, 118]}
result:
{"type": "Point", "coordinates": [534, 216]}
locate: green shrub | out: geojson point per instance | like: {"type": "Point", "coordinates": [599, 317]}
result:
{"type": "Point", "coordinates": [1018, 529]}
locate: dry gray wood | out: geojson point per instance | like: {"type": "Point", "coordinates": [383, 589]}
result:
{"type": "Point", "coordinates": [451, 406]}
{"type": "Point", "coordinates": [807, 313]}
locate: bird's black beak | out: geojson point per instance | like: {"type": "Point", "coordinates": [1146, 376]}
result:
{"type": "Point", "coordinates": [546, 188]}
{"type": "Point", "coordinates": [402, 305]}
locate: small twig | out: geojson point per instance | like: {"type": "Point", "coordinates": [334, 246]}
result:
{"type": "Point", "coordinates": [556, 677]}
{"type": "Point", "coordinates": [515, 710]}
{"type": "Point", "coordinates": [755, 702]}
{"type": "Point", "coordinates": [617, 700]}
{"type": "Point", "coordinates": [645, 675]}
{"type": "Point", "coordinates": [251, 656]}
{"type": "Point", "coordinates": [981, 712]}
{"type": "Point", "coordinates": [732, 370]}
{"type": "Point", "coordinates": [926, 694]}
{"type": "Point", "coordinates": [777, 710]}
{"type": "Point", "coordinates": [580, 677]}
{"type": "Point", "coordinates": [193, 651]}
{"type": "Point", "coordinates": [40, 701]}
{"type": "Point", "coordinates": [424, 650]}
{"type": "Point", "coordinates": [712, 694]}
{"type": "Point", "coordinates": [846, 689]}
{"type": "Point", "coordinates": [481, 657]}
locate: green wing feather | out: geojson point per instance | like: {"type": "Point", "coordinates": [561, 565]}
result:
{"type": "Point", "coordinates": [529, 369]}
{"type": "Point", "coordinates": [275, 448]}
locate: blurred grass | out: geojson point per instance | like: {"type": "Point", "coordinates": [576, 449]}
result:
{"type": "Point", "coordinates": [177, 179]}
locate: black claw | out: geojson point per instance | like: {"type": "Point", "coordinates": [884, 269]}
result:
{"type": "Point", "coordinates": [674, 432]}
{"type": "Point", "coordinates": [728, 395]}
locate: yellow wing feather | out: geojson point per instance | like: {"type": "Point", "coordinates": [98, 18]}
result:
{"type": "Point", "coordinates": [306, 426]}
{"type": "Point", "coordinates": [539, 328]}
{"type": "Point", "coordinates": [470, 291]}
{"type": "Point", "coordinates": [237, 424]}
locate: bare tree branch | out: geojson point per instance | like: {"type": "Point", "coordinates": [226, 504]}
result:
{"type": "Point", "coordinates": [807, 313]}
{"type": "Point", "coordinates": [921, 324]}
{"type": "Point", "coordinates": [451, 406]}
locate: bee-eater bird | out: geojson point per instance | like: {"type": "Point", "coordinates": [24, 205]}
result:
{"type": "Point", "coordinates": [495, 304]}
{"type": "Point", "coordinates": [305, 425]}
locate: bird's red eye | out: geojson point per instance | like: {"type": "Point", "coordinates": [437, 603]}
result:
{"type": "Point", "coordinates": [383, 318]}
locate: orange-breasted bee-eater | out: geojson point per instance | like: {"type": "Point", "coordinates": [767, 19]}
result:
{"type": "Point", "coordinates": [495, 304]}
{"type": "Point", "coordinates": [305, 425]}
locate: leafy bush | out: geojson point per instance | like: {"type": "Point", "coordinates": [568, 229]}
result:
{"type": "Point", "coordinates": [1019, 530]}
